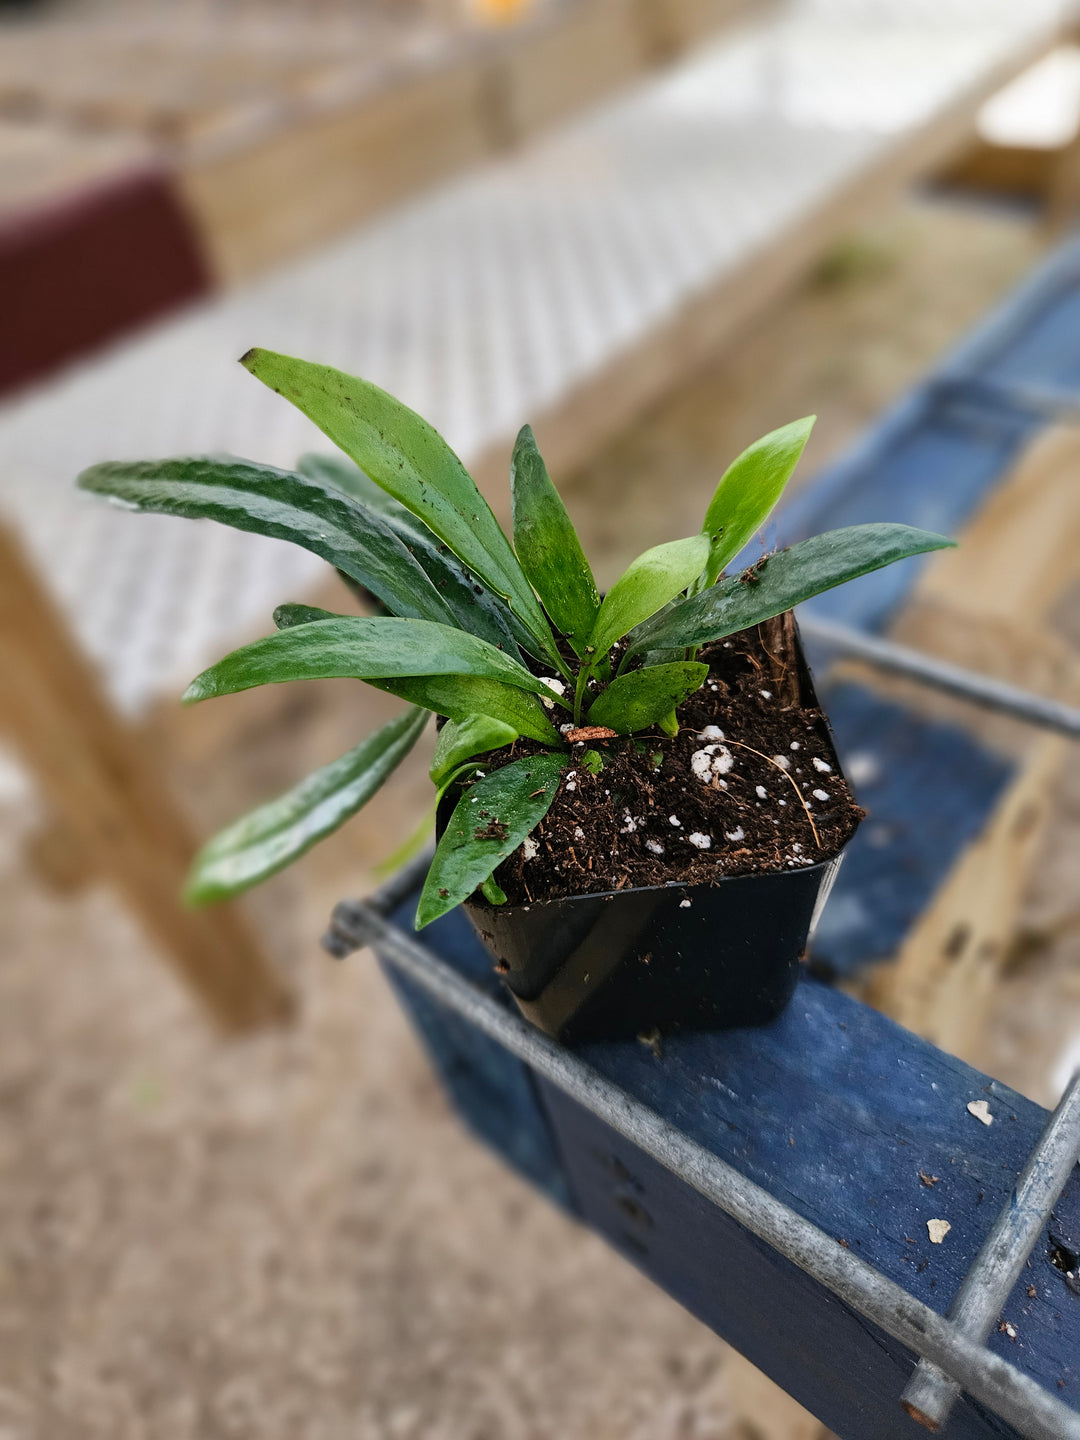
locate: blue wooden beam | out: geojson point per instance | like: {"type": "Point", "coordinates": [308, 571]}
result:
{"type": "Point", "coordinates": [839, 1113]}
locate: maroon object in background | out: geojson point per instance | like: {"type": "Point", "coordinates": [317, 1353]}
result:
{"type": "Point", "coordinates": [80, 270]}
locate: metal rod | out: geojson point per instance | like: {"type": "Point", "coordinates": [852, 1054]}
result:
{"type": "Point", "coordinates": [1021, 1402]}
{"type": "Point", "coordinates": [941, 675]}
{"type": "Point", "coordinates": [930, 1394]}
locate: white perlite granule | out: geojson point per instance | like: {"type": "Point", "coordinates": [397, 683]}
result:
{"type": "Point", "coordinates": [552, 684]}
{"type": "Point", "coordinates": [795, 745]}
{"type": "Point", "coordinates": [820, 794]}
{"type": "Point", "coordinates": [703, 842]}
{"type": "Point", "coordinates": [674, 820]}
{"type": "Point", "coordinates": [737, 834]}
{"type": "Point", "coordinates": [822, 766]}
{"type": "Point", "coordinates": [766, 694]}
{"type": "Point", "coordinates": [579, 833]}
{"type": "Point", "coordinates": [712, 732]}
{"type": "Point", "coordinates": [530, 848]}
{"type": "Point", "coordinates": [712, 760]}
{"type": "Point", "coordinates": [782, 761]}
{"type": "Point", "coordinates": [654, 846]}
{"type": "Point", "coordinates": [761, 792]}
{"type": "Point", "coordinates": [684, 904]}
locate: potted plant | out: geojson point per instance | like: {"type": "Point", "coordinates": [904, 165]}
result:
{"type": "Point", "coordinates": [638, 798]}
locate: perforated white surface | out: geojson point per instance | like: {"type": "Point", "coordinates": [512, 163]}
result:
{"type": "Point", "coordinates": [480, 304]}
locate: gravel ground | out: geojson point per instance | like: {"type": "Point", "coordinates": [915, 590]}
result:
{"type": "Point", "coordinates": [290, 1237]}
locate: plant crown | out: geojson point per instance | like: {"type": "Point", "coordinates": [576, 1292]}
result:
{"type": "Point", "coordinates": [502, 639]}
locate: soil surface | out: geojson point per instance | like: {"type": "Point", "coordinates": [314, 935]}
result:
{"type": "Point", "coordinates": [747, 785]}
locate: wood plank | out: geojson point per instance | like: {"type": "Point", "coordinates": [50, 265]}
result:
{"type": "Point", "coordinates": [98, 776]}
{"type": "Point", "coordinates": [987, 605]}
{"type": "Point", "coordinates": [560, 67]}
{"type": "Point", "coordinates": [943, 981]}
{"type": "Point", "coordinates": [257, 203]}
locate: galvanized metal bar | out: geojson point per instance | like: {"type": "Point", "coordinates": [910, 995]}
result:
{"type": "Point", "coordinates": [930, 1394]}
{"type": "Point", "coordinates": [941, 675]}
{"type": "Point", "coordinates": [1026, 1406]}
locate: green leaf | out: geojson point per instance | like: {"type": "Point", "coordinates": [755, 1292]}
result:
{"type": "Point", "coordinates": [644, 697]}
{"type": "Point", "coordinates": [646, 586]}
{"type": "Point", "coordinates": [286, 506]}
{"type": "Point", "coordinates": [489, 823]}
{"type": "Point", "coordinates": [476, 607]}
{"type": "Point", "coordinates": [460, 697]}
{"type": "Point", "coordinates": [290, 614]}
{"type": "Point", "coordinates": [359, 648]}
{"type": "Point", "coordinates": [784, 580]}
{"type": "Point", "coordinates": [342, 474]}
{"type": "Point", "coordinates": [461, 740]}
{"type": "Point", "coordinates": [278, 833]}
{"type": "Point", "coordinates": [412, 462]}
{"type": "Point", "coordinates": [548, 546]}
{"type": "Point", "coordinates": [748, 491]}
{"type": "Point", "coordinates": [491, 892]}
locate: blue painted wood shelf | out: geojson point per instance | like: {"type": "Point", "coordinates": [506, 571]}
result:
{"type": "Point", "coordinates": [833, 1109]}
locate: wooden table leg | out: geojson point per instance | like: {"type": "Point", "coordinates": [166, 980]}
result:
{"type": "Point", "coordinates": [101, 782]}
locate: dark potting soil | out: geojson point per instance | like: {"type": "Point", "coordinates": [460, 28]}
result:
{"type": "Point", "coordinates": [760, 790]}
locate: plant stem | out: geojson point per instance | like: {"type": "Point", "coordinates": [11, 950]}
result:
{"type": "Point", "coordinates": [579, 691]}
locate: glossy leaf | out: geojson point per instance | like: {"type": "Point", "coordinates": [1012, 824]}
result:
{"type": "Point", "coordinates": [460, 697]}
{"type": "Point", "coordinates": [646, 586]}
{"type": "Point", "coordinates": [548, 546]}
{"type": "Point", "coordinates": [749, 490]}
{"type": "Point", "coordinates": [784, 580]}
{"type": "Point", "coordinates": [645, 697]}
{"type": "Point", "coordinates": [477, 608]}
{"type": "Point", "coordinates": [342, 474]}
{"type": "Point", "coordinates": [278, 833]}
{"type": "Point", "coordinates": [413, 463]}
{"type": "Point", "coordinates": [291, 613]}
{"type": "Point", "coordinates": [286, 506]}
{"type": "Point", "coordinates": [489, 822]}
{"type": "Point", "coordinates": [461, 740]}
{"type": "Point", "coordinates": [359, 648]}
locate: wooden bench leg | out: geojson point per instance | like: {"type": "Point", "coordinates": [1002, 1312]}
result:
{"type": "Point", "coordinates": [100, 781]}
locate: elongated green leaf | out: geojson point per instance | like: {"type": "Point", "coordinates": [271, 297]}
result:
{"type": "Point", "coordinates": [290, 614]}
{"type": "Point", "coordinates": [402, 453]}
{"type": "Point", "coordinates": [341, 473]}
{"type": "Point", "coordinates": [461, 697]}
{"type": "Point", "coordinates": [489, 823]}
{"type": "Point", "coordinates": [644, 697]}
{"type": "Point", "coordinates": [748, 491]}
{"type": "Point", "coordinates": [278, 833]}
{"type": "Point", "coordinates": [548, 546]}
{"type": "Point", "coordinates": [289, 507]}
{"type": "Point", "coordinates": [648, 584]}
{"type": "Point", "coordinates": [360, 648]}
{"type": "Point", "coordinates": [784, 580]}
{"type": "Point", "coordinates": [462, 740]}
{"type": "Point", "coordinates": [478, 609]}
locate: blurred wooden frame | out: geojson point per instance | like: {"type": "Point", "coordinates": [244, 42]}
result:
{"type": "Point", "coordinates": [113, 816]}
{"type": "Point", "coordinates": [989, 606]}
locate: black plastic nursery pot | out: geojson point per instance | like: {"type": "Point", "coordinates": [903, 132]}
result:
{"type": "Point", "coordinates": [639, 962]}
{"type": "Point", "coordinates": [667, 957]}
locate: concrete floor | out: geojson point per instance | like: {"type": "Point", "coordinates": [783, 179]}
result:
{"type": "Point", "coordinates": [290, 1238]}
